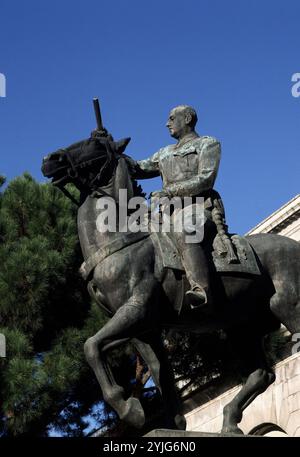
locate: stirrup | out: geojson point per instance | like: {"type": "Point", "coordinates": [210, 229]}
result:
{"type": "Point", "coordinates": [197, 298]}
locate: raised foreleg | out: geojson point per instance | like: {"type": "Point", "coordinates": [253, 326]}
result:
{"type": "Point", "coordinates": [129, 321]}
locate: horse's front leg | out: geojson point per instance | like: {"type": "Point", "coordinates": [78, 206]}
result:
{"type": "Point", "coordinates": [152, 350]}
{"type": "Point", "coordinates": [129, 321]}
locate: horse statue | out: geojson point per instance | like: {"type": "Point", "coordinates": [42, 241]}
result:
{"type": "Point", "coordinates": [127, 277]}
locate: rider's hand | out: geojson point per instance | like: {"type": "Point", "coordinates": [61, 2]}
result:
{"type": "Point", "coordinates": [156, 199]}
{"type": "Point", "coordinates": [157, 194]}
{"type": "Point", "coordinates": [96, 133]}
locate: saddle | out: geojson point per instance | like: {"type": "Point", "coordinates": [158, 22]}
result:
{"type": "Point", "coordinates": [229, 252]}
{"type": "Point", "coordinates": [245, 261]}
{"type": "Point", "coordinates": [221, 260]}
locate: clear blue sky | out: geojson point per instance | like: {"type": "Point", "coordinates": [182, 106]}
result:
{"type": "Point", "coordinates": [232, 60]}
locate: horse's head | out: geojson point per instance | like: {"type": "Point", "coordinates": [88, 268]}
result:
{"type": "Point", "coordinates": [87, 164]}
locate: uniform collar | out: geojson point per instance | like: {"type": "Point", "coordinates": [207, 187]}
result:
{"type": "Point", "coordinates": [191, 136]}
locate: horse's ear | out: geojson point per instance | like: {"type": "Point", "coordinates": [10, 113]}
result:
{"type": "Point", "coordinates": [121, 145]}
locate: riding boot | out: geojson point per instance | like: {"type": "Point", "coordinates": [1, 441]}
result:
{"type": "Point", "coordinates": [196, 267]}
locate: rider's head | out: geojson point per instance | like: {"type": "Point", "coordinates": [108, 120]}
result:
{"type": "Point", "coordinates": [182, 120]}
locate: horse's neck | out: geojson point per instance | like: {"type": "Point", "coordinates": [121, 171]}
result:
{"type": "Point", "coordinates": [91, 214]}
{"type": "Point", "coordinates": [122, 180]}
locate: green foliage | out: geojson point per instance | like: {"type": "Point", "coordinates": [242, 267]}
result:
{"type": "Point", "coordinates": [45, 313]}
{"type": "Point", "coordinates": [200, 361]}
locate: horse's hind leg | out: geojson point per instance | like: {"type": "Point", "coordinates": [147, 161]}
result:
{"type": "Point", "coordinates": [126, 323]}
{"type": "Point", "coordinates": [260, 376]}
{"type": "Point", "coordinates": [285, 304]}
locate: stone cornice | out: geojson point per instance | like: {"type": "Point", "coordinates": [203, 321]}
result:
{"type": "Point", "coordinates": [283, 217]}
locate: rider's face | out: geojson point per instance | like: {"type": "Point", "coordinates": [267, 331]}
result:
{"type": "Point", "coordinates": [176, 123]}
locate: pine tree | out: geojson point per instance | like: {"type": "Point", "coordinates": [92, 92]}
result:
{"type": "Point", "coordinates": [45, 314]}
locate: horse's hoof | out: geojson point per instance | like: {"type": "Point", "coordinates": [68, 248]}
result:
{"type": "Point", "coordinates": [232, 429]}
{"type": "Point", "coordinates": [133, 413]}
{"type": "Point", "coordinates": [180, 422]}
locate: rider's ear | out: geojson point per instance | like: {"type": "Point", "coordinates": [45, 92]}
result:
{"type": "Point", "coordinates": [188, 118]}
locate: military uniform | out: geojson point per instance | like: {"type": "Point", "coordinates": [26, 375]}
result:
{"type": "Point", "coordinates": [188, 169]}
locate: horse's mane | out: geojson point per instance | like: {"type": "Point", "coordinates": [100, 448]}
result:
{"type": "Point", "coordinates": [137, 188]}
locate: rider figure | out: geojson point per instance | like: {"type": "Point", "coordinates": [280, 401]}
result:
{"type": "Point", "coordinates": [188, 169]}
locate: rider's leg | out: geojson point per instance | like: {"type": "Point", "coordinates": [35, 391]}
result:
{"type": "Point", "coordinates": [188, 237]}
{"type": "Point", "coordinates": [197, 272]}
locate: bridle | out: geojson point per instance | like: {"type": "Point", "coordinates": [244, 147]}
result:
{"type": "Point", "coordinates": [72, 172]}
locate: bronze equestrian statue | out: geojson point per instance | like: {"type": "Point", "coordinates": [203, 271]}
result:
{"type": "Point", "coordinates": [247, 287]}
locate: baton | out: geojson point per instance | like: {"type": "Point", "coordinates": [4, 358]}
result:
{"type": "Point", "coordinates": [98, 114]}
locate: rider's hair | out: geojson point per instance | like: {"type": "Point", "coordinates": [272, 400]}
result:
{"type": "Point", "coordinates": [189, 110]}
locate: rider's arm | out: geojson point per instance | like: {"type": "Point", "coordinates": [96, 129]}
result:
{"type": "Point", "coordinates": [208, 164]}
{"type": "Point", "coordinates": [148, 168]}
